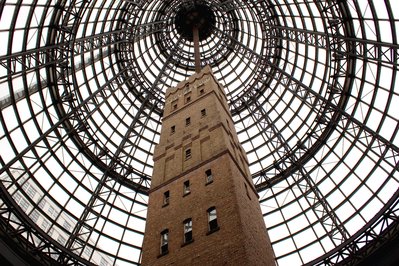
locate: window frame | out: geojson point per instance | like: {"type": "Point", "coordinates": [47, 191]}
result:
{"type": "Point", "coordinates": [213, 224]}
{"type": "Point", "coordinates": [187, 153]}
{"type": "Point", "coordinates": [164, 242]}
{"type": "Point", "coordinates": [208, 176]}
{"type": "Point", "coordinates": [166, 198]}
{"type": "Point", "coordinates": [174, 105]}
{"type": "Point", "coordinates": [188, 231]}
{"type": "Point", "coordinates": [186, 187]}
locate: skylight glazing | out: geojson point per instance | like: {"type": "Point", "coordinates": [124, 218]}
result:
{"type": "Point", "coordinates": [312, 88]}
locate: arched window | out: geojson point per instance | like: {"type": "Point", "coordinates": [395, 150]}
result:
{"type": "Point", "coordinates": [212, 220]}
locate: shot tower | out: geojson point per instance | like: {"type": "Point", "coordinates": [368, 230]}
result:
{"type": "Point", "coordinates": [203, 208]}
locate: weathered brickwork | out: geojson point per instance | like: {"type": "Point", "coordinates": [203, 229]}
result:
{"type": "Point", "coordinates": [241, 238]}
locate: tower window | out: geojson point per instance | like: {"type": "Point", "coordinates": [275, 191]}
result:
{"type": "Point", "coordinates": [186, 187]}
{"type": "Point", "coordinates": [164, 241]}
{"type": "Point", "coordinates": [203, 112]}
{"type": "Point", "coordinates": [166, 198]}
{"type": "Point", "coordinates": [201, 91]}
{"type": "Point", "coordinates": [209, 177]}
{"type": "Point", "coordinates": [188, 121]}
{"type": "Point", "coordinates": [188, 154]}
{"type": "Point", "coordinates": [174, 105]}
{"type": "Point", "coordinates": [188, 99]}
{"type": "Point", "coordinates": [172, 129]}
{"type": "Point", "coordinates": [188, 230]}
{"type": "Point", "coordinates": [212, 220]}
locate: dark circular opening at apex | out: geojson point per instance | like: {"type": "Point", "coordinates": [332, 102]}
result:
{"type": "Point", "coordinates": [198, 15]}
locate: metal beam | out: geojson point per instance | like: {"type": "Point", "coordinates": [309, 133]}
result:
{"type": "Point", "coordinates": [21, 94]}
{"type": "Point", "coordinates": [368, 50]}
{"type": "Point", "coordinates": [78, 229]}
{"type": "Point", "coordinates": [196, 49]}
{"type": "Point", "coordinates": [36, 59]}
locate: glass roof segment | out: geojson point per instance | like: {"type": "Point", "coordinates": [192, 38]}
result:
{"type": "Point", "coordinates": [312, 87]}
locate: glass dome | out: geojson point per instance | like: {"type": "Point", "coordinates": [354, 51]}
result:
{"type": "Point", "coordinates": [312, 88]}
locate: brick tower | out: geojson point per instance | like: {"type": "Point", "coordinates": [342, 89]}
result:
{"type": "Point", "coordinates": [203, 207]}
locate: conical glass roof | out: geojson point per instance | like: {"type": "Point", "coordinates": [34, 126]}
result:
{"type": "Point", "coordinates": [312, 88]}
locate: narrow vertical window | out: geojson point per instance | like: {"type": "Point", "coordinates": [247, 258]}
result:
{"type": "Point", "coordinates": [188, 154]}
{"type": "Point", "coordinates": [174, 105]}
{"type": "Point", "coordinates": [172, 129]}
{"type": "Point", "coordinates": [164, 241]}
{"type": "Point", "coordinates": [188, 99]}
{"type": "Point", "coordinates": [166, 197]}
{"type": "Point", "coordinates": [203, 112]}
{"type": "Point", "coordinates": [188, 121]}
{"type": "Point", "coordinates": [201, 91]}
{"type": "Point", "coordinates": [209, 177]}
{"type": "Point", "coordinates": [186, 187]}
{"type": "Point", "coordinates": [188, 230]}
{"type": "Point", "coordinates": [212, 220]}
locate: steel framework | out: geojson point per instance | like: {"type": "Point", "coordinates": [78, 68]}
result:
{"type": "Point", "coordinates": [312, 87]}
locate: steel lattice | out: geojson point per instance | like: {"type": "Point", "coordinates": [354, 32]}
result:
{"type": "Point", "coordinates": [312, 87]}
